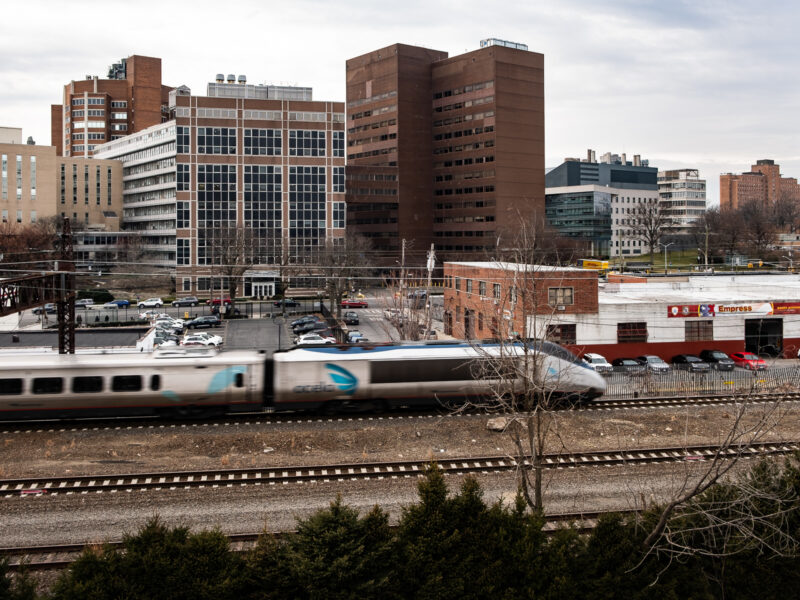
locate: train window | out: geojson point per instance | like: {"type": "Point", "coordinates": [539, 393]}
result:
{"type": "Point", "coordinates": [85, 385]}
{"type": "Point", "coordinates": [48, 385]}
{"type": "Point", "coordinates": [155, 382]}
{"type": "Point", "coordinates": [398, 371]}
{"type": "Point", "coordinates": [9, 387]}
{"type": "Point", "coordinates": [126, 383]}
{"type": "Point", "coordinates": [239, 380]}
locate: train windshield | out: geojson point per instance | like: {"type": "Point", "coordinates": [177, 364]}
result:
{"type": "Point", "coordinates": [554, 349]}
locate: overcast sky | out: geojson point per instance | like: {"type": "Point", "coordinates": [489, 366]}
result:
{"type": "Point", "coordinates": [711, 84]}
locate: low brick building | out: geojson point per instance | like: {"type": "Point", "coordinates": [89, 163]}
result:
{"type": "Point", "coordinates": [628, 316]}
{"type": "Point", "coordinates": [493, 299]}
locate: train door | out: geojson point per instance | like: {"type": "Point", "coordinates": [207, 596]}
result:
{"type": "Point", "coordinates": [763, 336]}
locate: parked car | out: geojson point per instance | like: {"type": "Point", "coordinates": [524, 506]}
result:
{"type": "Point", "coordinates": [718, 360]}
{"type": "Point", "coordinates": [175, 325]}
{"type": "Point", "coordinates": [653, 363]}
{"type": "Point", "coordinates": [313, 338]}
{"type": "Point", "coordinates": [353, 335]}
{"type": "Point", "coordinates": [430, 335]}
{"type": "Point", "coordinates": [350, 318]}
{"type": "Point", "coordinates": [630, 366]}
{"type": "Point", "coordinates": [597, 362]}
{"type": "Point", "coordinates": [689, 362]}
{"type": "Point", "coordinates": [117, 304]}
{"type": "Point", "coordinates": [151, 303]}
{"type": "Point", "coordinates": [49, 309]}
{"type": "Point", "coordinates": [151, 315]}
{"type": "Point", "coordinates": [287, 302]}
{"type": "Point", "coordinates": [355, 304]}
{"type": "Point", "coordinates": [218, 301]}
{"type": "Point", "coordinates": [84, 303]}
{"type": "Point", "coordinates": [390, 314]}
{"type": "Point", "coordinates": [204, 322]}
{"type": "Point", "coordinates": [748, 360]}
{"type": "Point", "coordinates": [187, 301]}
{"type": "Point", "coordinates": [309, 327]}
{"type": "Point", "coordinates": [306, 319]}
{"type": "Point", "coordinates": [201, 339]}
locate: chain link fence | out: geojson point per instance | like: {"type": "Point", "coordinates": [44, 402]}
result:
{"type": "Point", "coordinates": [683, 383]}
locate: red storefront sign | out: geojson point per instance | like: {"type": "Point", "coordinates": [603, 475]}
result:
{"type": "Point", "coordinates": [754, 309]}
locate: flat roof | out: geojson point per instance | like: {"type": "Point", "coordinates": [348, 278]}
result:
{"type": "Point", "coordinates": [507, 266]}
{"type": "Point", "coordinates": [704, 289]}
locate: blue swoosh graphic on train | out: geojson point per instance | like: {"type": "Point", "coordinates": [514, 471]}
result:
{"type": "Point", "coordinates": [344, 379]}
{"type": "Point", "coordinates": [224, 378]}
{"type": "Point", "coordinates": [171, 395]}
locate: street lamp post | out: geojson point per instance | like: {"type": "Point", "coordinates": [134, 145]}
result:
{"type": "Point", "coordinates": [665, 254]}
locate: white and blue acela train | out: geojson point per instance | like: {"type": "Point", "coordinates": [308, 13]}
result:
{"type": "Point", "coordinates": [330, 378]}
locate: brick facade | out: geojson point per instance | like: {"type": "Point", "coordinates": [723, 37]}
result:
{"type": "Point", "coordinates": [491, 299]}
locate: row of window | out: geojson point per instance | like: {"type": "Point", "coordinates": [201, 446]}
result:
{"type": "Point", "coordinates": [78, 385]}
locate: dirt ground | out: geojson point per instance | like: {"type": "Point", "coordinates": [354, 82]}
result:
{"type": "Point", "coordinates": [83, 449]}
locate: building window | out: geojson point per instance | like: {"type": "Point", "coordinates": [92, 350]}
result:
{"type": "Point", "coordinates": [119, 104]}
{"type": "Point", "coordinates": [564, 333]}
{"type": "Point", "coordinates": [559, 296]}
{"type": "Point", "coordinates": [183, 252]}
{"type": "Point", "coordinates": [4, 174]}
{"type": "Point", "coordinates": [203, 284]}
{"type": "Point", "coordinates": [183, 143]}
{"type": "Point", "coordinates": [108, 185]}
{"type": "Point", "coordinates": [182, 215]}
{"type": "Point", "coordinates": [216, 140]}
{"type": "Point", "coordinates": [631, 332]}
{"type": "Point", "coordinates": [307, 197]}
{"type": "Point", "coordinates": [699, 331]}
{"type": "Point", "coordinates": [457, 284]}
{"type": "Point", "coordinates": [263, 211]}
{"type": "Point", "coordinates": [187, 284]}
{"type": "Point", "coordinates": [77, 102]}
{"type": "Point", "coordinates": [306, 142]}
{"type": "Point", "coordinates": [183, 177]}
{"type": "Point", "coordinates": [480, 321]}
{"type": "Point", "coordinates": [74, 183]}
{"type": "Point", "coordinates": [216, 206]}
{"type": "Point", "coordinates": [96, 101]}
{"type": "Point", "coordinates": [469, 286]}
{"type": "Point", "coordinates": [482, 288]}
{"type": "Point", "coordinates": [338, 180]}
{"type": "Point", "coordinates": [33, 178]}
{"type": "Point", "coordinates": [19, 177]}
{"type": "Point", "coordinates": [33, 216]}
{"type": "Point", "coordinates": [19, 216]}
{"type": "Point", "coordinates": [86, 184]}
{"type": "Point", "coordinates": [338, 144]}
{"type": "Point", "coordinates": [263, 142]}
{"type": "Point", "coordinates": [97, 186]}
{"type": "Point", "coordinates": [496, 291]}
{"type": "Point", "coordinates": [338, 215]}
{"type": "Point", "coordinates": [63, 184]}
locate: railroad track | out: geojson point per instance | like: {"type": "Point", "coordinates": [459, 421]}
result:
{"type": "Point", "coordinates": [135, 482]}
{"type": "Point", "coordinates": [60, 556]}
{"type": "Point", "coordinates": [248, 419]}
{"type": "Point", "coordinates": [673, 401]}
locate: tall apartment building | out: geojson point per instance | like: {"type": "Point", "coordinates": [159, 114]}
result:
{"type": "Point", "coordinates": [268, 160]}
{"type": "Point", "coordinates": [682, 196]}
{"type": "Point", "coordinates": [762, 184]}
{"type": "Point", "coordinates": [611, 184]}
{"type": "Point", "coordinates": [35, 184]}
{"type": "Point", "coordinates": [94, 111]}
{"type": "Point", "coordinates": [444, 150]}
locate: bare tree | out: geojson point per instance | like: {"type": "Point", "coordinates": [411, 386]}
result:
{"type": "Point", "coordinates": [786, 212]}
{"type": "Point", "coordinates": [342, 261]}
{"type": "Point", "coordinates": [24, 248]}
{"type": "Point", "coordinates": [759, 228]}
{"type": "Point", "coordinates": [649, 223]}
{"type": "Point", "coordinates": [232, 250]}
{"type": "Point", "coordinates": [522, 381]}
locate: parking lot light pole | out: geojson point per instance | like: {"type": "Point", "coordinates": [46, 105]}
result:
{"type": "Point", "coordinates": [665, 255]}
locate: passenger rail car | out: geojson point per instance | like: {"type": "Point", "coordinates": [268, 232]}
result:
{"type": "Point", "coordinates": [196, 383]}
{"type": "Point", "coordinates": [417, 374]}
{"type": "Point", "coordinates": [166, 383]}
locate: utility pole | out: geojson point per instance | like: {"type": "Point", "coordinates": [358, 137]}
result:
{"type": "Point", "coordinates": [665, 255]}
{"type": "Point", "coordinates": [65, 306]}
{"type": "Point", "coordinates": [429, 304]}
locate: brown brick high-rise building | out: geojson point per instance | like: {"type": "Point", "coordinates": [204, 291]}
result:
{"type": "Point", "coordinates": [95, 111]}
{"type": "Point", "coordinates": [444, 150]}
{"type": "Point", "coordinates": [762, 184]}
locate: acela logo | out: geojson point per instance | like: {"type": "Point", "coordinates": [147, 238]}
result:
{"type": "Point", "coordinates": [344, 379]}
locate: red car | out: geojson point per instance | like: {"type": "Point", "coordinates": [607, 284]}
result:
{"type": "Point", "coordinates": [354, 304]}
{"type": "Point", "coordinates": [748, 360]}
{"type": "Point", "coordinates": [218, 301]}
